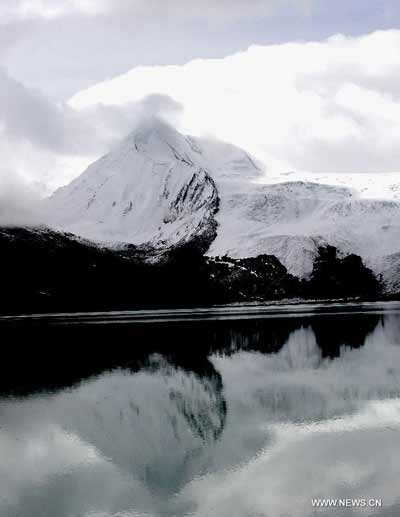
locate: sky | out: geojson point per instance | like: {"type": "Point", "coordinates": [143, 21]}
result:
{"type": "Point", "coordinates": [306, 84]}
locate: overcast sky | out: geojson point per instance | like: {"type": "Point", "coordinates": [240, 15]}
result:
{"type": "Point", "coordinates": [310, 106]}
{"type": "Point", "coordinates": [63, 46]}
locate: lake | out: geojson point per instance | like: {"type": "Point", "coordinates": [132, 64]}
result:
{"type": "Point", "coordinates": [250, 411]}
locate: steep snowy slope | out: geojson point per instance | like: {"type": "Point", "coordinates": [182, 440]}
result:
{"type": "Point", "coordinates": [161, 188]}
{"type": "Point", "coordinates": [156, 187]}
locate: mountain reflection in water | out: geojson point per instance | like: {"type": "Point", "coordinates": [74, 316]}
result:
{"type": "Point", "coordinates": [203, 418]}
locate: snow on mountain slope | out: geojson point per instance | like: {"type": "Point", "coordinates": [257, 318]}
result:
{"type": "Point", "coordinates": [291, 219]}
{"type": "Point", "coordinates": [161, 187]}
{"type": "Point", "coordinates": [155, 188]}
{"type": "Point", "coordinates": [148, 189]}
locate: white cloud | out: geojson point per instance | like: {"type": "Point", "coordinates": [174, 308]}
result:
{"type": "Point", "coordinates": [27, 115]}
{"type": "Point", "coordinates": [186, 9]}
{"type": "Point", "coordinates": [44, 145]}
{"type": "Point", "coordinates": [49, 9]}
{"type": "Point", "coordinates": [319, 106]}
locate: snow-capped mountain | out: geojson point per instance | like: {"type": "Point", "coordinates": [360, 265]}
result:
{"type": "Point", "coordinates": [157, 187]}
{"type": "Point", "coordinates": [161, 188]}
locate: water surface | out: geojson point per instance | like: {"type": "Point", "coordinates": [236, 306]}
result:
{"type": "Point", "coordinates": [226, 412]}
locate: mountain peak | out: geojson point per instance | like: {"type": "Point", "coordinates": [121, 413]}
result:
{"type": "Point", "coordinates": [151, 189]}
{"type": "Point", "coordinates": [158, 140]}
{"type": "Point", "coordinates": [157, 187]}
